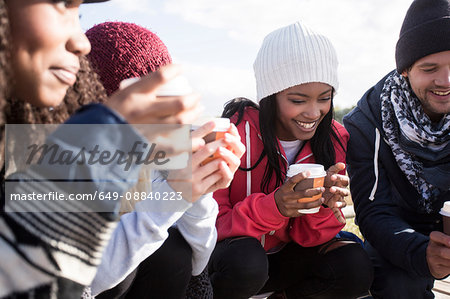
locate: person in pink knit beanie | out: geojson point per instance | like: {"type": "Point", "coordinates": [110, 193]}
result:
{"type": "Point", "coordinates": [142, 260]}
{"type": "Point", "coordinates": [124, 50]}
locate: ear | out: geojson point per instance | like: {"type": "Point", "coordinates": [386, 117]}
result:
{"type": "Point", "coordinates": [405, 74]}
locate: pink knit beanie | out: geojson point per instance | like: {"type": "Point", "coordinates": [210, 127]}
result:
{"type": "Point", "coordinates": [124, 50]}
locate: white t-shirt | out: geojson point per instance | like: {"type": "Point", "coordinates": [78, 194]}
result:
{"type": "Point", "coordinates": [291, 149]}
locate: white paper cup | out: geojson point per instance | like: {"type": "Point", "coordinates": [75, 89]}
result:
{"type": "Point", "coordinates": [222, 126]}
{"type": "Point", "coordinates": [178, 86]}
{"type": "Point", "coordinates": [316, 179]}
{"type": "Point", "coordinates": [445, 212]}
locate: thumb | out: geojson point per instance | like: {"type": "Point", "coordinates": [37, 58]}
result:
{"type": "Point", "coordinates": [294, 180]}
{"type": "Point", "coordinates": [440, 238]}
{"type": "Point", "coordinates": [336, 168]}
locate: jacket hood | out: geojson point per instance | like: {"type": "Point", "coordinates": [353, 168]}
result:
{"type": "Point", "coordinates": [370, 103]}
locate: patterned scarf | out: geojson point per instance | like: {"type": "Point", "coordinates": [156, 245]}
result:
{"type": "Point", "coordinates": [421, 148]}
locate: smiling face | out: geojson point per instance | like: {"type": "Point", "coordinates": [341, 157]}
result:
{"type": "Point", "coordinates": [300, 109]}
{"type": "Point", "coordinates": [47, 41]}
{"type": "Point", "coordinates": [430, 80]}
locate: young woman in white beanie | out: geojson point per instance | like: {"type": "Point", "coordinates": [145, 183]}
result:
{"type": "Point", "coordinates": [266, 243]}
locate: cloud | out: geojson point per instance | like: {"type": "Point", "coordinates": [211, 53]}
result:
{"type": "Point", "coordinates": [217, 85]}
{"type": "Point", "coordinates": [134, 6]}
{"type": "Point", "coordinates": [251, 20]}
{"type": "Point", "coordinates": [221, 38]}
{"type": "Point", "coordinates": [364, 33]}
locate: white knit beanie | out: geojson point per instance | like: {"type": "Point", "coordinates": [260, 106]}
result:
{"type": "Point", "coordinates": [291, 56]}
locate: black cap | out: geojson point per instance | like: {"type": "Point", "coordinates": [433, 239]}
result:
{"type": "Point", "coordinates": [425, 31]}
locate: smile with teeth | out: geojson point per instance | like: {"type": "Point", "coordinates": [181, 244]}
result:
{"type": "Point", "coordinates": [306, 125]}
{"type": "Point", "coordinates": [441, 93]}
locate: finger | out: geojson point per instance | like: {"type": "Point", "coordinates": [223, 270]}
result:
{"type": "Point", "coordinates": [206, 151]}
{"type": "Point", "coordinates": [343, 192]}
{"type": "Point", "coordinates": [197, 143]}
{"type": "Point", "coordinates": [441, 255]}
{"type": "Point", "coordinates": [181, 117]}
{"type": "Point", "coordinates": [338, 214]}
{"type": "Point", "coordinates": [440, 238]}
{"type": "Point", "coordinates": [292, 181]}
{"type": "Point", "coordinates": [335, 203]}
{"type": "Point", "coordinates": [212, 181]}
{"type": "Point", "coordinates": [307, 193]}
{"type": "Point", "coordinates": [233, 130]}
{"type": "Point", "coordinates": [227, 176]}
{"type": "Point", "coordinates": [337, 180]}
{"type": "Point", "coordinates": [235, 144]}
{"type": "Point", "coordinates": [331, 172]}
{"type": "Point", "coordinates": [229, 157]}
{"type": "Point", "coordinates": [340, 180]}
{"type": "Point", "coordinates": [204, 130]}
{"type": "Point", "coordinates": [170, 106]}
{"type": "Point", "coordinates": [307, 205]}
{"type": "Point", "coordinates": [336, 168]}
{"type": "Point", "coordinates": [204, 170]}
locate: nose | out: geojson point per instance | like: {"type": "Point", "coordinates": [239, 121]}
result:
{"type": "Point", "coordinates": [313, 112]}
{"type": "Point", "coordinates": [78, 42]}
{"type": "Point", "coordinates": [443, 78]}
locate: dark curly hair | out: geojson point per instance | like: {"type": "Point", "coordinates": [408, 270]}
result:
{"type": "Point", "coordinates": [87, 89]}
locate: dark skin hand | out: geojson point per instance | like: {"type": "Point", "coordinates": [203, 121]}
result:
{"type": "Point", "coordinates": [335, 190]}
{"type": "Point", "coordinates": [286, 197]}
{"type": "Point", "coordinates": [438, 254]}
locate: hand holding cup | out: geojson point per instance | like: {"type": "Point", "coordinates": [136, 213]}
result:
{"type": "Point", "coordinates": [315, 179]}
{"type": "Point", "coordinates": [291, 201]}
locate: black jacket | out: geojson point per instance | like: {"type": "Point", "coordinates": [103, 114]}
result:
{"type": "Point", "coordinates": [386, 203]}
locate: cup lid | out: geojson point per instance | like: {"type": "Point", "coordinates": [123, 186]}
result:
{"type": "Point", "coordinates": [317, 170]}
{"type": "Point", "coordinates": [445, 210]}
{"type": "Point", "coordinates": [178, 86]}
{"type": "Point", "coordinates": [222, 124]}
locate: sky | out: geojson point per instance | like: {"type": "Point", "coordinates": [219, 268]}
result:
{"type": "Point", "coordinates": [216, 41]}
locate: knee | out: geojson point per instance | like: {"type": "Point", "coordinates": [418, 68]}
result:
{"type": "Point", "coordinates": [238, 263]}
{"type": "Point", "coordinates": [393, 282]}
{"type": "Point", "coordinates": [175, 254]}
{"type": "Point", "coordinates": [355, 268]}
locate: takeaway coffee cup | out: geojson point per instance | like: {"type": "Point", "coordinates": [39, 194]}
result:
{"type": "Point", "coordinates": [178, 86]}
{"type": "Point", "coordinates": [445, 212]}
{"type": "Point", "coordinates": [316, 179]}
{"type": "Point", "coordinates": [222, 126]}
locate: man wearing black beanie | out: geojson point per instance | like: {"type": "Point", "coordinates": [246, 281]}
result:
{"type": "Point", "coordinates": [399, 158]}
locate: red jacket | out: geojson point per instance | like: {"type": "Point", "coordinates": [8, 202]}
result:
{"type": "Point", "coordinates": [244, 210]}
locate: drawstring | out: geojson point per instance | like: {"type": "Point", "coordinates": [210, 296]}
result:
{"type": "Point", "coordinates": [375, 164]}
{"type": "Point", "coordinates": [249, 173]}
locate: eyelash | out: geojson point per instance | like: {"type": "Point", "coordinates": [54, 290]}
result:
{"type": "Point", "coordinates": [300, 101]}
{"type": "Point", "coordinates": [297, 101]}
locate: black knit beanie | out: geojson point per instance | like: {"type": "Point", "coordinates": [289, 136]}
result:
{"type": "Point", "coordinates": [425, 31]}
